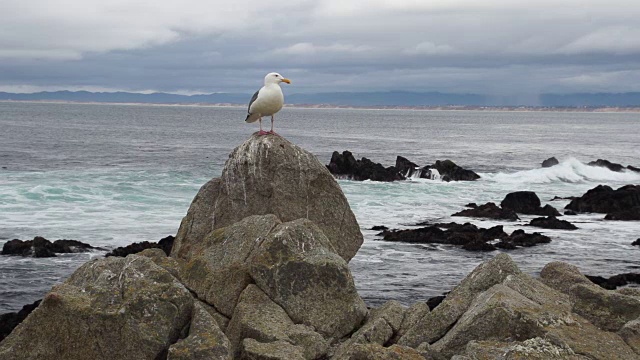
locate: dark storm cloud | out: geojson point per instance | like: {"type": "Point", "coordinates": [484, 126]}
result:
{"type": "Point", "coordinates": [328, 45]}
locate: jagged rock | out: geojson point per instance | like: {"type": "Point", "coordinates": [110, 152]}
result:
{"type": "Point", "coordinates": [412, 315]}
{"type": "Point", "coordinates": [489, 210]}
{"type": "Point", "coordinates": [552, 161]}
{"type": "Point", "coordinates": [468, 235]}
{"type": "Point", "coordinates": [631, 214]}
{"type": "Point", "coordinates": [165, 244]}
{"type": "Point", "coordinates": [113, 308]}
{"type": "Point", "coordinates": [218, 270]}
{"type": "Point", "coordinates": [406, 167]}
{"type": "Point", "coordinates": [551, 222]}
{"type": "Point", "coordinates": [205, 340]}
{"type": "Point", "coordinates": [41, 247]}
{"type": "Point", "coordinates": [570, 213]}
{"type": "Point", "coordinates": [258, 317]}
{"type": "Point", "coordinates": [449, 171]}
{"type": "Point", "coordinates": [534, 349]}
{"type": "Point", "coordinates": [636, 243]}
{"type": "Point", "coordinates": [630, 333]}
{"type": "Point", "coordinates": [378, 352]}
{"type": "Point", "coordinates": [537, 291]}
{"type": "Point", "coordinates": [270, 175]}
{"type": "Point", "coordinates": [379, 228]}
{"type": "Point", "coordinates": [607, 164]}
{"type": "Point", "coordinates": [521, 238]}
{"type": "Point", "coordinates": [433, 302]}
{"type": "Point", "coordinates": [609, 310]}
{"type": "Point", "coordinates": [527, 202]}
{"type": "Point", "coordinates": [277, 350]}
{"type": "Point", "coordinates": [436, 323]}
{"type": "Point", "coordinates": [160, 258]}
{"type": "Point", "coordinates": [603, 199]}
{"type": "Point", "coordinates": [633, 168]}
{"type": "Point", "coordinates": [345, 165]}
{"type": "Point", "coordinates": [9, 321]}
{"type": "Point", "coordinates": [296, 266]}
{"type": "Point", "coordinates": [615, 281]}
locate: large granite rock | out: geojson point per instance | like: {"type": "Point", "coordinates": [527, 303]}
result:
{"type": "Point", "coordinates": [449, 171]}
{"type": "Point", "coordinates": [270, 175]}
{"type": "Point", "coordinates": [607, 309]}
{"type": "Point", "coordinates": [603, 199]}
{"type": "Point", "coordinates": [114, 308]}
{"type": "Point", "coordinates": [630, 333]}
{"type": "Point", "coordinates": [435, 324]}
{"type": "Point", "coordinates": [205, 340]}
{"type": "Point", "coordinates": [527, 202]}
{"type": "Point", "coordinates": [296, 266]}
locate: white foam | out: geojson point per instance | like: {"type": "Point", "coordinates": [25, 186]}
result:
{"type": "Point", "coordinates": [570, 170]}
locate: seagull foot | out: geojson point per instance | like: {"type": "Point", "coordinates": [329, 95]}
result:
{"type": "Point", "coordinates": [262, 132]}
{"type": "Point", "coordinates": [273, 132]}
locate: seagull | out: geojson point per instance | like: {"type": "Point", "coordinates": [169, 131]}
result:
{"type": "Point", "coordinates": [267, 101]}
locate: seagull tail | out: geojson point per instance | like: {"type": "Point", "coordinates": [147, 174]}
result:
{"type": "Point", "coordinates": [252, 118]}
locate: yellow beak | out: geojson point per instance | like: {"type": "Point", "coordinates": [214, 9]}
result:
{"type": "Point", "coordinates": [286, 80]}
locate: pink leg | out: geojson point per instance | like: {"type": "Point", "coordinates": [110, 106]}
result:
{"type": "Point", "coordinates": [272, 132]}
{"type": "Point", "coordinates": [262, 132]}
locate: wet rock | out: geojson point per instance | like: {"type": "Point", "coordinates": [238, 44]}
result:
{"type": "Point", "coordinates": [615, 281]}
{"type": "Point", "coordinates": [433, 302]}
{"type": "Point", "coordinates": [9, 321]}
{"type": "Point", "coordinates": [164, 244]}
{"type": "Point", "coordinates": [636, 243]}
{"type": "Point", "coordinates": [41, 247]}
{"type": "Point", "coordinates": [563, 198]}
{"type": "Point", "coordinates": [552, 161]}
{"type": "Point", "coordinates": [631, 214]}
{"type": "Point", "coordinates": [436, 323]}
{"type": "Point", "coordinates": [603, 199]}
{"type": "Point", "coordinates": [297, 267]}
{"type": "Point", "coordinates": [527, 202]}
{"type": "Point", "coordinates": [270, 175]}
{"type": "Point", "coordinates": [379, 228]}
{"type": "Point", "coordinates": [205, 341]}
{"type": "Point", "coordinates": [345, 165]}
{"type": "Point", "coordinates": [551, 222]}
{"type": "Point", "coordinates": [471, 205]}
{"type": "Point", "coordinates": [490, 211]}
{"type": "Point", "coordinates": [570, 213]}
{"type": "Point", "coordinates": [609, 310]}
{"type": "Point", "coordinates": [406, 167]}
{"type": "Point", "coordinates": [467, 235]}
{"type": "Point", "coordinates": [633, 168]}
{"type": "Point", "coordinates": [449, 171]}
{"type": "Point", "coordinates": [113, 308]}
{"type": "Point", "coordinates": [607, 164]}
{"type": "Point", "coordinates": [478, 245]}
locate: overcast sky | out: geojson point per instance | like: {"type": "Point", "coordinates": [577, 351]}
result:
{"type": "Point", "coordinates": [201, 46]}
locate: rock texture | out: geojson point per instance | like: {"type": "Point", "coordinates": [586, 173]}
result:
{"type": "Point", "coordinates": [603, 199]}
{"type": "Point", "coordinates": [551, 222]}
{"type": "Point", "coordinates": [346, 166]}
{"type": "Point", "coordinates": [527, 202]}
{"type": "Point", "coordinates": [9, 321]}
{"type": "Point", "coordinates": [270, 175]}
{"type": "Point", "coordinates": [41, 247]}
{"type": "Point", "coordinates": [552, 161]}
{"type": "Point", "coordinates": [489, 211]}
{"type": "Point", "coordinates": [165, 244]}
{"type": "Point", "coordinates": [114, 308]}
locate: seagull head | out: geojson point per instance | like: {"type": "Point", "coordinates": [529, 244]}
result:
{"type": "Point", "coordinates": [275, 78]}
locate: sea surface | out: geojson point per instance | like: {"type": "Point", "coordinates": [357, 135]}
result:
{"type": "Point", "coordinates": [110, 175]}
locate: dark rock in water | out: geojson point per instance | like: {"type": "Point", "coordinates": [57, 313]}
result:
{"type": "Point", "coordinates": [551, 222]}
{"type": "Point", "coordinates": [165, 244]}
{"type": "Point", "coordinates": [471, 205]}
{"type": "Point", "coordinates": [570, 212]}
{"type": "Point", "coordinates": [10, 320]}
{"type": "Point", "coordinates": [505, 245]}
{"type": "Point", "coordinates": [41, 247]}
{"type": "Point", "coordinates": [406, 167]}
{"type": "Point", "coordinates": [603, 199]}
{"type": "Point", "coordinates": [478, 245]}
{"type": "Point", "coordinates": [552, 161]}
{"type": "Point", "coordinates": [636, 243]}
{"type": "Point", "coordinates": [615, 281]}
{"type": "Point", "coordinates": [608, 164]}
{"type": "Point", "coordinates": [346, 165]}
{"type": "Point", "coordinates": [489, 210]}
{"type": "Point", "coordinates": [379, 228]}
{"type": "Point", "coordinates": [627, 214]}
{"type": "Point", "coordinates": [563, 198]}
{"type": "Point", "coordinates": [633, 168]}
{"type": "Point", "coordinates": [435, 301]}
{"type": "Point", "coordinates": [449, 171]}
{"type": "Point", "coordinates": [527, 202]}
{"type": "Point", "coordinates": [520, 238]}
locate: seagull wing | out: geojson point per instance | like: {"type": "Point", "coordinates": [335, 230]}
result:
{"type": "Point", "coordinates": [251, 117]}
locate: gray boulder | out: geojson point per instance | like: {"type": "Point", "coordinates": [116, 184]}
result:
{"type": "Point", "coordinates": [277, 350]}
{"type": "Point", "coordinates": [112, 308]}
{"type": "Point", "coordinates": [296, 267]}
{"type": "Point", "coordinates": [205, 340]}
{"type": "Point", "coordinates": [378, 352]}
{"type": "Point", "coordinates": [412, 316]}
{"type": "Point", "coordinates": [270, 175]}
{"type": "Point", "coordinates": [630, 333]}
{"type": "Point", "coordinates": [533, 349]}
{"type": "Point", "coordinates": [436, 323]}
{"type": "Point", "coordinates": [607, 309]}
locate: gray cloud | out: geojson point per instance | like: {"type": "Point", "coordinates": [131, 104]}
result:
{"type": "Point", "coordinates": [496, 47]}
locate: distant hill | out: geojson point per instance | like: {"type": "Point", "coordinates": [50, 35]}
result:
{"type": "Point", "coordinates": [388, 98]}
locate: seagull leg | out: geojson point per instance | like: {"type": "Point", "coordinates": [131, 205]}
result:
{"type": "Point", "coordinates": [272, 132]}
{"type": "Point", "coordinates": [262, 132]}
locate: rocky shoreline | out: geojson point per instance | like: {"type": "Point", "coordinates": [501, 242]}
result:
{"type": "Point", "coordinates": [259, 270]}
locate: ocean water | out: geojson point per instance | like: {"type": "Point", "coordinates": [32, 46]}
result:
{"type": "Point", "coordinates": [110, 175]}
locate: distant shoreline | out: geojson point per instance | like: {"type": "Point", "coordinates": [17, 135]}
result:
{"type": "Point", "coordinates": [607, 109]}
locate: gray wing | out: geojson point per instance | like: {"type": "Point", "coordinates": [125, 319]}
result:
{"type": "Point", "coordinates": [249, 117]}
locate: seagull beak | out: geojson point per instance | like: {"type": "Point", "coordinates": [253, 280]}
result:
{"type": "Point", "coordinates": [286, 80]}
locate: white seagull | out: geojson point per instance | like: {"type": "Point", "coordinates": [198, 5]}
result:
{"type": "Point", "coordinates": [267, 101]}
